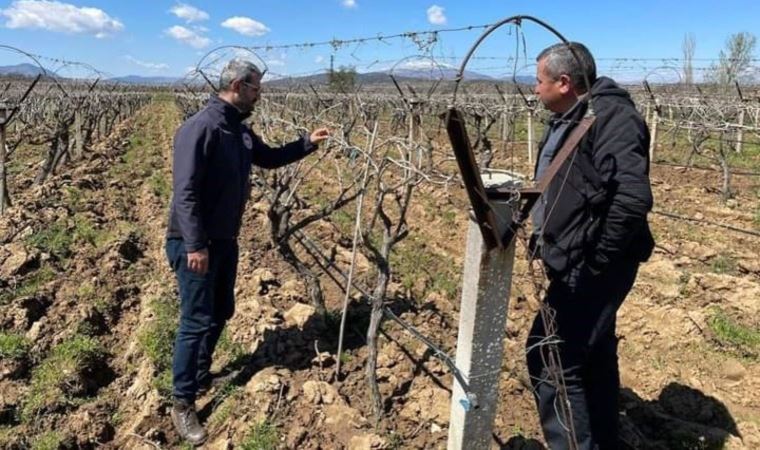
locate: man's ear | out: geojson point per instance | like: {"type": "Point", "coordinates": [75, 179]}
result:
{"type": "Point", "coordinates": [565, 84]}
{"type": "Point", "coordinates": [235, 86]}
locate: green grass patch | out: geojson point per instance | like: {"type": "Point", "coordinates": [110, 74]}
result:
{"type": "Point", "coordinates": [320, 200]}
{"type": "Point", "coordinates": [53, 378]}
{"type": "Point", "coordinates": [122, 228]}
{"type": "Point", "coordinates": [749, 158]}
{"type": "Point", "coordinates": [74, 197]}
{"type": "Point", "coordinates": [742, 339]}
{"type": "Point", "coordinates": [157, 339]}
{"type": "Point", "coordinates": [164, 96]}
{"type": "Point", "coordinates": [344, 221]}
{"type": "Point", "coordinates": [52, 440]}
{"type": "Point", "coordinates": [436, 209]}
{"type": "Point", "coordinates": [449, 218]}
{"type": "Point", "coordinates": [86, 291]}
{"type": "Point", "coordinates": [7, 434]}
{"type": "Point", "coordinates": [345, 358]}
{"type": "Point", "coordinates": [86, 231]}
{"type": "Point", "coordinates": [683, 284]}
{"type": "Point", "coordinates": [413, 260]}
{"type": "Point", "coordinates": [137, 141]}
{"type": "Point", "coordinates": [394, 441]}
{"type": "Point", "coordinates": [447, 283]}
{"type": "Point", "coordinates": [56, 239]}
{"type": "Point", "coordinates": [13, 346]}
{"type": "Point", "coordinates": [59, 238]}
{"type": "Point", "coordinates": [676, 149]}
{"type": "Point", "coordinates": [723, 264]}
{"type": "Point", "coordinates": [160, 185]}
{"type": "Point", "coordinates": [262, 436]}
{"type": "Point", "coordinates": [32, 283]}
{"type": "Point", "coordinates": [226, 402]}
{"type": "Point", "coordinates": [138, 160]}
{"type": "Point", "coordinates": [228, 350]}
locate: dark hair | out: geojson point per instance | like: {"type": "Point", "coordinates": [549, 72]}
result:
{"type": "Point", "coordinates": [572, 59]}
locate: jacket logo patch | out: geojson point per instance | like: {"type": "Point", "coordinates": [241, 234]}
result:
{"type": "Point", "coordinates": [247, 141]}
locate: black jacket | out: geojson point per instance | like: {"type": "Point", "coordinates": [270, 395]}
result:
{"type": "Point", "coordinates": [213, 154]}
{"type": "Point", "coordinates": [597, 205]}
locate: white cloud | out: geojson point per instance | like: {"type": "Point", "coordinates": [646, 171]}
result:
{"type": "Point", "coordinates": [189, 13]}
{"type": "Point", "coordinates": [435, 15]}
{"type": "Point", "coordinates": [246, 26]}
{"type": "Point", "coordinates": [60, 17]}
{"type": "Point", "coordinates": [319, 59]}
{"type": "Point", "coordinates": [147, 65]}
{"type": "Point", "coordinates": [349, 3]}
{"type": "Point", "coordinates": [188, 36]}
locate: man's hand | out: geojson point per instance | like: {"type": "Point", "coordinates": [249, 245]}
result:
{"type": "Point", "coordinates": [319, 135]}
{"type": "Point", "coordinates": [197, 261]}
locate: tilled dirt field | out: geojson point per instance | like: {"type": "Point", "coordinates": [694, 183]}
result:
{"type": "Point", "coordinates": [85, 284]}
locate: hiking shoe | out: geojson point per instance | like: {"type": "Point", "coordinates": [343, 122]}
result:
{"type": "Point", "coordinates": [186, 422]}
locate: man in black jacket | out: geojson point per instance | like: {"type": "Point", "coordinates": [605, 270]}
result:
{"type": "Point", "coordinates": [591, 231]}
{"type": "Point", "coordinates": [213, 154]}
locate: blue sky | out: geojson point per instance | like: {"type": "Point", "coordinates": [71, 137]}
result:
{"type": "Point", "coordinates": [150, 37]}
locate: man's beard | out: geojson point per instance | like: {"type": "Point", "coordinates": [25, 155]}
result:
{"type": "Point", "coordinates": [246, 107]}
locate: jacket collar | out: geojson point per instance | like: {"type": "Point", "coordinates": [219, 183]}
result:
{"type": "Point", "coordinates": [231, 114]}
{"type": "Point", "coordinates": [574, 113]}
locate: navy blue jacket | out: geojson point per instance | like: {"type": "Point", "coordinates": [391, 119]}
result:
{"type": "Point", "coordinates": [213, 154]}
{"type": "Point", "coordinates": [597, 204]}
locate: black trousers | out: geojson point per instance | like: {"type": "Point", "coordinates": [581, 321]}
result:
{"type": "Point", "coordinates": [584, 308]}
{"type": "Point", "coordinates": [206, 303]}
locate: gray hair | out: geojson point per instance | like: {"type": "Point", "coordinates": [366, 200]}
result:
{"type": "Point", "coordinates": [237, 69]}
{"type": "Point", "coordinates": [561, 60]}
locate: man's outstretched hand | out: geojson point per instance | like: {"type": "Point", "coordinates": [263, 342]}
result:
{"type": "Point", "coordinates": [319, 135]}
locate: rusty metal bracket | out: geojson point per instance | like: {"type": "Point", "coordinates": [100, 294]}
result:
{"type": "Point", "coordinates": [460, 142]}
{"type": "Point", "coordinates": [480, 196]}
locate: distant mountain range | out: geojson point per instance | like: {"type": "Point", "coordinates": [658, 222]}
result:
{"type": "Point", "coordinates": [138, 79]}
{"type": "Point", "coordinates": [383, 77]}
{"type": "Point", "coordinates": [380, 77]}
{"type": "Point", "coordinates": [30, 70]}
{"type": "Point", "coordinates": [24, 70]}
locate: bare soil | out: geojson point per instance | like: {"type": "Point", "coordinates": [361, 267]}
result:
{"type": "Point", "coordinates": [684, 386]}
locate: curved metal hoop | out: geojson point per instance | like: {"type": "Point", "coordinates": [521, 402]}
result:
{"type": "Point", "coordinates": [660, 69]}
{"type": "Point", "coordinates": [517, 20]}
{"type": "Point", "coordinates": [199, 68]}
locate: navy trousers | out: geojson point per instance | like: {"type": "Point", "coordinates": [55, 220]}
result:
{"type": "Point", "coordinates": [206, 303]}
{"type": "Point", "coordinates": [584, 308]}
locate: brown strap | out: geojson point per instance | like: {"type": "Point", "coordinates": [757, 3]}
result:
{"type": "Point", "coordinates": [532, 194]}
{"type": "Point", "coordinates": [567, 148]}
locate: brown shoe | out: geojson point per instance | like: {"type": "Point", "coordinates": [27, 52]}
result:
{"type": "Point", "coordinates": [186, 422]}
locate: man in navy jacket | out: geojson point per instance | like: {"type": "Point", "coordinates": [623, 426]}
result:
{"type": "Point", "coordinates": [213, 154]}
{"type": "Point", "coordinates": [591, 231]}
